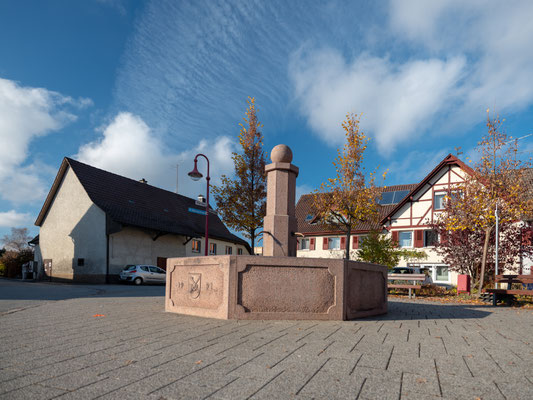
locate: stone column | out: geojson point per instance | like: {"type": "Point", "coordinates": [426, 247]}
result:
{"type": "Point", "coordinates": [280, 221]}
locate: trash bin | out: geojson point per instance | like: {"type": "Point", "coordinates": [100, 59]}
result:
{"type": "Point", "coordinates": [463, 284]}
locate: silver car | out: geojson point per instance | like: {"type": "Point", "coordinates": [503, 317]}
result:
{"type": "Point", "coordinates": [140, 274]}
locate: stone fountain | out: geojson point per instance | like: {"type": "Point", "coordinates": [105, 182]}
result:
{"type": "Point", "coordinates": [277, 285]}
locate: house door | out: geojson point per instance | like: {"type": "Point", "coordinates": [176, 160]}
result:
{"type": "Point", "coordinates": [48, 269]}
{"type": "Point", "coordinates": [162, 263]}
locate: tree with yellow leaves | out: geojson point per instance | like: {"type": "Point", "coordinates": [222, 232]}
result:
{"type": "Point", "coordinates": [495, 183]}
{"type": "Point", "coordinates": [242, 201]}
{"type": "Point", "coordinates": [349, 198]}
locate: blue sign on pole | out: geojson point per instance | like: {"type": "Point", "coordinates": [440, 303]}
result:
{"type": "Point", "coordinates": [196, 211]}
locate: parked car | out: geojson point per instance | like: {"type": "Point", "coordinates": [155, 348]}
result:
{"type": "Point", "coordinates": [140, 274]}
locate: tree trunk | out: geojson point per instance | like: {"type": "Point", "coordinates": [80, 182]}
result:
{"type": "Point", "coordinates": [252, 239]}
{"type": "Point", "coordinates": [484, 259]}
{"type": "Point", "coordinates": [348, 234]}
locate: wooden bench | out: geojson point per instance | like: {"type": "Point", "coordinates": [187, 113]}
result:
{"type": "Point", "coordinates": [506, 293]}
{"type": "Point", "coordinates": [413, 278]}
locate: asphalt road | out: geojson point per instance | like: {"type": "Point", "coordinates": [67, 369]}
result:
{"type": "Point", "coordinates": [16, 295]}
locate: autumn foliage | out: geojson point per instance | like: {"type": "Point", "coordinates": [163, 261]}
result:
{"type": "Point", "coordinates": [350, 198]}
{"type": "Point", "coordinates": [242, 201]}
{"type": "Point", "coordinates": [468, 224]}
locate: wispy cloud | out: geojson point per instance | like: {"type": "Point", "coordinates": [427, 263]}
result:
{"type": "Point", "coordinates": [190, 66]}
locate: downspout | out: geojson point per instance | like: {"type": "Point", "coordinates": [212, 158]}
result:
{"type": "Point", "coordinates": [107, 259]}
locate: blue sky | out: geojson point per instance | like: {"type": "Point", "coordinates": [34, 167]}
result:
{"type": "Point", "coordinates": [136, 87]}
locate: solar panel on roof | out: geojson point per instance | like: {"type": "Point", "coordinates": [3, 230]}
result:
{"type": "Point", "coordinates": [393, 197]}
{"type": "Point", "coordinates": [399, 195]}
{"type": "Point", "coordinates": [386, 198]}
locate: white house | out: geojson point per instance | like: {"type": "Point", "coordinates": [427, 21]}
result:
{"type": "Point", "coordinates": [409, 222]}
{"type": "Point", "coordinates": [407, 213]}
{"type": "Point", "coordinates": [94, 222]}
{"type": "Point", "coordinates": [319, 240]}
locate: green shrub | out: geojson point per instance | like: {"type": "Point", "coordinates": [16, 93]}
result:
{"type": "Point", "coordinates": [2, 270]}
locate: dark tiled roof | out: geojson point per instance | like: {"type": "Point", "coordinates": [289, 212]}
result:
{"type": "Point", "coordinates": [133, 203]}
{"type": "Point", "coordinates": [305, 208]}
{"type": "Point", "coordinates": [35, 240]}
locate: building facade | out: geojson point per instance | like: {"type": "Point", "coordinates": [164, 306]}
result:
{"type": "Point", "coordinates": [407, 213]}
{"type": "Point", "coordinates": [93, 223]}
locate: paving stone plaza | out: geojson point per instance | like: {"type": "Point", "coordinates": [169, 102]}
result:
{"type": "Point", "coordinates": [127, 347]}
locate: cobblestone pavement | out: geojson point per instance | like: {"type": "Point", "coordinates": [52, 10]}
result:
{"type": "Point", "coordinates": [419, 350]}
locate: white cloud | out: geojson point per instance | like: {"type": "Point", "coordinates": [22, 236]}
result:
{"type": "Point", "coordinates": [398, 100]}
{"type": "Point", "coordinates": [14, 219]}
{"type": "Point", "coordinates": [496, 38]}
{"type": "Point", "coordinates": [446, 62]}
{"type": "Point", "coordinates": [25, 114]}
{"type": "Point", "coordinates": [129, 147]}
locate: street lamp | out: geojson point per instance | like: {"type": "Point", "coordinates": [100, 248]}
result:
{"type": "Point", "coordinates": [195, 176]}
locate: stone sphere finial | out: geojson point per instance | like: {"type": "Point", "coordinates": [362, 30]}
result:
{"type": "Point", "coordinates": [281, 153]}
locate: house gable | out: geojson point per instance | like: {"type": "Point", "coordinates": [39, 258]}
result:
{"type": "Point", "coordinates": [418, 208]}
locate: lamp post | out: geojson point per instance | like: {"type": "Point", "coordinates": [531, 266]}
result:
{"type": "Point", "coordinates": [496, 264]}
{"type": "Point", "coordinates": [195, 176]}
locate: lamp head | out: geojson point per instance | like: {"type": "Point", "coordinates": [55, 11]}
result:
{"type": "Point", "coordinates": [195, 174]}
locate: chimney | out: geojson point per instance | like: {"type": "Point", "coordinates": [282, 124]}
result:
{"type": "Point", "coordinates": [143, 180]}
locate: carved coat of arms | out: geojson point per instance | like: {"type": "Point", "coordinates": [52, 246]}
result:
{"type": "Point", "coordinates": [195, 285]}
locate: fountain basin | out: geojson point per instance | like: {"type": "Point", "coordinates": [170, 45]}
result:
{"type": "Point", "coordinates": [270, 288]}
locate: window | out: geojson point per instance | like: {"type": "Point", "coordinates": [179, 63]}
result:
{"type": "Point", "coordinates": [239, 251]}
{"type": "Point", "coordinates": [438, 201]}
{"type": "Point", "coordinates": [442, 273]}
{"type": "Point", "coordinates": [81, 262]}
{"type": "Point", "coordinates": [196, 246]}
{"type": "Point", "coordinates": [334, 243]}
{"type": "Point", "coordinates": [304, 244]}
{"type": "Point", "coordinates": [436, 273]}
{"type": "Point", "coordinates": [144, 268]}
{"type": "Point", "coordinates": [431, 238]}
{"type": "Point", "coordinates": [229, 250]}
{"type": "Point", "coordinates": [405, 238]}
{"type": "Point", "coordinates": [212, 248]}
{"type": "Point", "coordinates": [154, 269]}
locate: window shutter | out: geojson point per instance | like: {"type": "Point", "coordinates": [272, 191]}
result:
{"type": "Point", "coordinates": [355, 242]}
{"type": "Point", "coordinates": [325, 243]}
{"type": "Point", "coordinates": [419, 238]}
{"type": "Point", "coordinates": [527, 238]}
{"type": "Point", "coordinates": [343, 243]}
{"type": "Point", "coordinates": [395, 237]}
{"type": "Point", "coordinates": [312, 244]}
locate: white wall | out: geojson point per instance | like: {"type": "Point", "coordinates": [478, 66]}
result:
{"type": "Point", "coordinates": [74, 228]}
{"type": "Point", "coordinates": [220, 248]}
{"type": "Point", "coordinates": [136, 246]}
